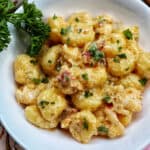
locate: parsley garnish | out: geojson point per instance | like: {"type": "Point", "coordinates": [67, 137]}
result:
{"type": "Point", "coordinates": [85, 124]}
{"type": "Point", "coordinates": [49, 61]}
{"type": "Point", "coordinates": [118, 41]}
{"type": "Point", "coordinates": [107, 99]}
{"type": "Point", "coordinates": [36, 81]}
{"type": "Point", "coordinates": [116, 60]}
{"type": "Point", "coordinates": [123, 56]}
{"type": "Point", "coordinates": [95, 53]}
{"type": "Point", "coordinates": [119, 48]}
{"type": "Point", "coordinates": [102, 129]}
{"type": "Point", "coordinates": [80, 30]}
{"type": "Point", "coordinates": [68, 41]}
{"type": "Point", "coordinates": [87, 94]}
{"type": "Point", "coordinates": [45, 80]}
{"type": "Point", "coordinates": [143, 81]}
{"type": "Point", "coordinates": [77, 19]}
{"type": "Point", "coordinates": [52, 103]}
{"type": "Point", "coordinates": [34, 62]}
{"type": "Point", "coordinates": [64, 31]}
{"type": "Point", "coordinates": [43, 104]}
{"type": "Point", "coordinates": [85, 76]}
{"type": "Point", "coordinates": [128, 34]}
{"type": "Point", "coordinates": [54, 17]}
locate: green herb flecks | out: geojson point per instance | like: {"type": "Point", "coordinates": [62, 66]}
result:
{"type": "Point", "coordinates": [128, 34]}
{"type": "Point", "coordinates": [36, 81]}
{"type": "Point", "coordinates": [65, 31]}
{"type": "Point", "coordinates": [52, 103]}
{"type": "Point", "coordinates": [102, 129]}
{"type": "Point", "coordinates": [49, 61]}
{"type": "Point", "coordinates": [45, 80]}
{"type": "Point", "coordinates": [34, 62]}
{"type": "Point", "coordinates": [77, 19]}
{"type": "Point", "coordinates": [123, 56]}
{"type": "Point", "coordinates": [107, 99]}
{"type": "Point", "coordinates": [85, 124]}
{"type": "Point", "coordinates": [87, 94]}
{"type": "Point", "coordinates": [116, 60]}
{"type": "Point", "coordinates": [54, 17]}
{"type": "Point", "coordinates": [43, 103]}
{"type": "Point", "coordinates": [143, 81]}
{"type": "Point", "coordinates": [95, 52]}
{"type": "Point", "coordinates": [85, 76]}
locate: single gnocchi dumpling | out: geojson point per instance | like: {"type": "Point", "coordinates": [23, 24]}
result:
{"type": "Point", "coordinates": [93, 77]}
{"type": "Point", "coordinates": [33, 115]}
{"type": "Point", "coordinates": [103, 25]}
{"type": "Point", "coordinates": [143, 65]}
{"type": "Point", "coordinates": [88, 99]}
{"type": "Point", "coordinates": [82, 126]}
{"type": "Point", "coordinates": [26, 69]}
{"type": "Point", "coordinates": [108, 124]}
{"type": "Point", "coordinates": [133, 47]}
{"type": "Point", "coordinates": [132, 80]}
{"type": "Point", "coordinates": [56, 23]}
{"type": "Point", "coordinates": [77, 34]}
{"type": "Point", "coordinates": [27, 94]}
{"type": "Point", "coordinates": [72, 55]}
{"type": "Point", "coordinates": [51, 104]}
{"type": "Point", "coordinates": [132, 100]}
{"type": "Point", "coordinates": [67, 81]}
{"type": "Point", "coordinates": [49, 58]}
{"type": "Point", "coordinates": [81, 17]}
{"type": "Point", "coordinates": [122, 64]}
{"type": "Point", "coordinates": [114, 44]}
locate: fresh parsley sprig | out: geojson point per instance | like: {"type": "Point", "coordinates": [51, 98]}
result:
{"type": "Point", "coordinates": [29, 21]}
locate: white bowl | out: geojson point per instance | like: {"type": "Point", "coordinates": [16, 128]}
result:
{"type": "Point", "coordinates": [132, 12]}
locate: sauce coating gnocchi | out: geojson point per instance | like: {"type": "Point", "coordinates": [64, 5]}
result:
{"type": "Point", "coordinates": [88, 78]}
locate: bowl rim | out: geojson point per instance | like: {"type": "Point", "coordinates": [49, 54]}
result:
{"type": "Point", "coordinates": [21, 142]}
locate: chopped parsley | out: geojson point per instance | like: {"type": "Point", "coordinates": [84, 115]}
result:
{"type": "Point", "coordinates": [107, 99]}
{"type": "Point", "coordinates": [45, 80]}
{"type": "Point", "coordinates": [102, 129]}
{"type": "Point", "coordinates": [49, 61]}
{"type": "Point", "coordinates": [95, 53]}
{"type": "Point", "coordinates": [127, 69]}
{"type": "Point", "coordinates": [77, 19]}
{"type": "Point", "coordinates": [123, 56]}
{"type": "Point", "coordinates": [65, 31]}
{"type": "Point", "coordinates": [119, 48]}
{"type": "Point", "coordinates": [34, 62]}
{"type": "Point", "coordinates": [36, 81]}
{"type": "Point", "coordinates": [85, 76]}
{"type": "Point", "coordinates": [85, 124]}
{"type": "Point", "coordinates": [116, 60]}
{"type": "Point", "coordinates": [43, 104]}
{"type": "Point", "coordinates": [143, 81]}
{"type": "Point", "coordinates": [68, 41]}
{"type": "Point", "coordinates": [118, 41]}
{"type": "Point", "coordinates": [87, 94]}
{"type": "Point", "coordinates": [52, 103]}
{"type": "Point", "coordinates": [54, 17]}
{"type": "Point", "coordinates": [93, 47]}
{"type": "Point", "coordinates": [128, 34]}
{"type": "Point", "coordinates": [80, 30]}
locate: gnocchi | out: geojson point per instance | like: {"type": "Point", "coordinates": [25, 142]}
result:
{"type": "Point", "coordinates": [88, 78]}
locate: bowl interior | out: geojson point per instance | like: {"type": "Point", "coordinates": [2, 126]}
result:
{"type": "Point", "coordinates": [12, 115]}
